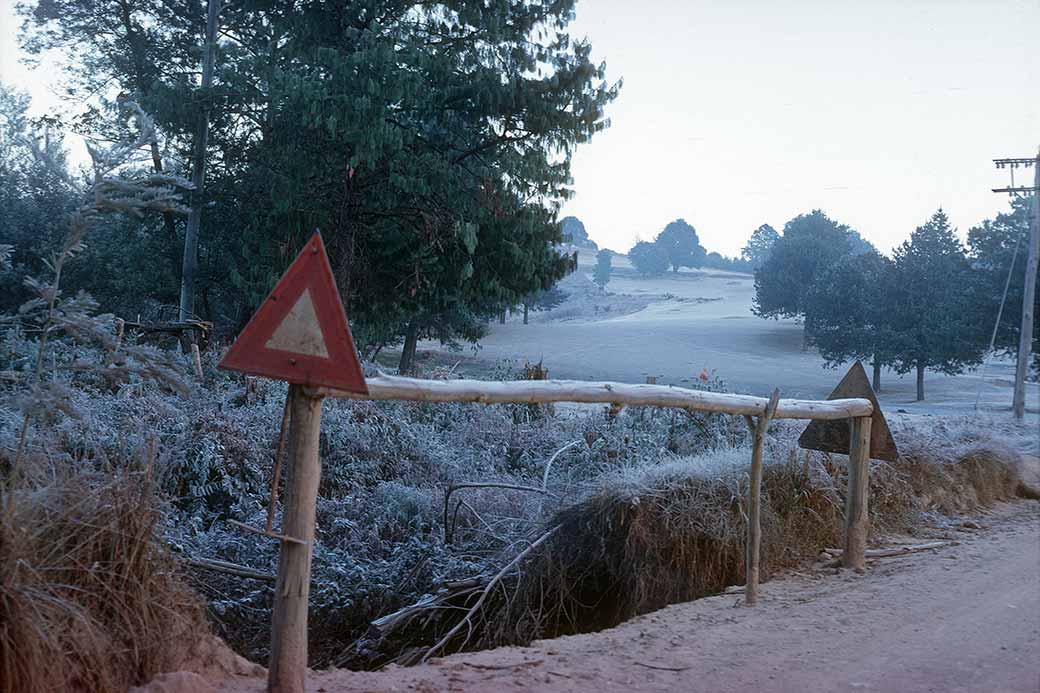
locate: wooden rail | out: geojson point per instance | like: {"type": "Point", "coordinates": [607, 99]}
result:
{"type": "Point", "coordinates": [389, 387]}
{"type": "Point", "coordinates": [758, 411]}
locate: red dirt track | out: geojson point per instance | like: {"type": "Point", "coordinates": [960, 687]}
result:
{"type": "Point", "coordinates": [961, 618]}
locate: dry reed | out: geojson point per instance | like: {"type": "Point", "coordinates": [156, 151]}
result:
{"type": "Point", "coordinates": [89, 600]}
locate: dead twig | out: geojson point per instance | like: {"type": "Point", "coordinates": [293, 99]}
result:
{"type": "Point", "coordinates": [486, 591]}
{"type": "Point", "coordinates": [481, 484]}
{"type": "Point", "coordinates": [500, 667]}
{"type": "Point", "coordinates": [660, 667]}
{"type": "Point", "coordinates": [891, 551]}
{"type": "Point", "coordinates": [549, 464]}
{"type": "Point", "coordinates": [229, 568]}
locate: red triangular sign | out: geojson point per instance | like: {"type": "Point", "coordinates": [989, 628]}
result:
{"type": "Point", "coordinates": [300, 333]}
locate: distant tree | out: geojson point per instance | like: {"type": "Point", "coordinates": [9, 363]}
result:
{"type": "Point", "coordinates": [929, 305]}
{"type": "Point", "coordinates": [730, 264]}
{"type": "Point", "coordinates": [811, 243]}
{"type": "Point", "coordinates": [545, 299]}
{"type": "Point", "coordinates": [758, 247]}
{"type": "Point", "coordinates": [601, 274]}
{"type": "Point", "coordinates": [846, 316]}
{"type": "Point", "coordinates": [714, 260]}
{"type": "Point", "coordinates": [991, 249]}
{"type": "Point", "coordinates": [649, 259]}
{"type": "Point", "coordinates": [574, 232]}
{"type": "Point", "coordinates": [681, 245]}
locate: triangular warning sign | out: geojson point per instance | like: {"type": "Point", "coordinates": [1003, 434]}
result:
{"type": "Point", "coordinates": [300, 332]}
{"type": "Point", "coordinates": [833, 435]}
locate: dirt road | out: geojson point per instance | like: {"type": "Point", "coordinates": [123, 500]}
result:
{"type": "Point", "coordinates": [962, 618]}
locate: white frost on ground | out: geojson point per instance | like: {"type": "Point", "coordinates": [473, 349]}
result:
{"type": "Point", "coordinates": [696, 320]}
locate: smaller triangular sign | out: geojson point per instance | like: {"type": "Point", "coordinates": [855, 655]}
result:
{"type": "Point", "coordinates": [300, 332]}
{"type": "Point", "coordinates": [833, 435]}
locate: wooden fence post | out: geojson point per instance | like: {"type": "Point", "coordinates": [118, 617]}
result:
{"type": "Point", "coordinates": [754, 537]}
{"type": "Point", "coordinates": [287, 668]}
{"type": "Point", "coordinates": [857, 521]}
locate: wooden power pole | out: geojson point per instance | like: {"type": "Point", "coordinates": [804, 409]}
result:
{"type": "Point", "coordinates": [1025, 335]}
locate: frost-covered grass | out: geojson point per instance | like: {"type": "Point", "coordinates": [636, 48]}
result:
{"type": "Point", "coordinates": [649, 535]}
{"type": "Point", "coordinates": [386, 468]}
{"type": "Point", "coordinates": [648, 501]}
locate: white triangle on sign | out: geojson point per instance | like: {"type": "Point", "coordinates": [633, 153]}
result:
{"type": "Point", "coordinates": [300, 332]}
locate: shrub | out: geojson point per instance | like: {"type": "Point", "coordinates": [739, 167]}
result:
{"type": "Point", "coordinates": [89, 599]}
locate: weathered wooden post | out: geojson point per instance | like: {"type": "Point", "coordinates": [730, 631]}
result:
{"type": "Point", "coordinates": [299, 334]}
{"type": "Point", "coordinates": [754, 535]}
{"type": "Point", "coordinates": [861, 438]}
{"type": "Point", "coordinates": [857, 521]}
{"type": "Point", "coordinates": [288, 664]}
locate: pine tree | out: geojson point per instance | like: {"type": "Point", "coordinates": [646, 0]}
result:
{"type": "Point", "coordinates": [992, 250]}
{"type": "Point", "coordinates": [845, 312]}
{"type": "Point", "coordinates": [810, 244]}
{"type": "Point", "coordinates": [759, 245]}
{"type": "Point", "coordinates": [929, 306]}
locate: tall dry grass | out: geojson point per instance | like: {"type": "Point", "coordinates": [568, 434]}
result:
{"type": "Point", "coordinates": [650, 536]}
{"type": "Point", "coordinates": [677, 532]}
{"type": "Point", "coordinates": [89, 600]}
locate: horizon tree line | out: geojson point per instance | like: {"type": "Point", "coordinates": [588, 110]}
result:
{"type": "Point", "coordinates": [932, 305]}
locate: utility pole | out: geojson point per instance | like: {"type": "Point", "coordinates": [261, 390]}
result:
{"type": "Point", "coordinates": [1025, 335]}
{"type": "Point", "coordinates": [198, 169]}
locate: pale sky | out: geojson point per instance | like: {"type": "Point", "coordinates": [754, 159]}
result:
{"type": "Point", "coordinates": [738, 113]}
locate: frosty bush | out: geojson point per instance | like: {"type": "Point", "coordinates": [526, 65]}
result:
{"type": "Point", "coordinates": [382, 519]}
{"type": "Point", "coordinates": [386, 469]}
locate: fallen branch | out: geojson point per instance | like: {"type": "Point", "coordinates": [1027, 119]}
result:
{"type": "Point", "coordinates": [486, 591]}
{"type": "Point", "coordinates": [12, 376]}
{"type": "Point", "coordinates": [892, 551]}
{"type": "Point", "coordinates": [660, 667]}
{"type": "Point", "coordinates": [501, 667]}
{"type": "Point", "coordinates": [442, 598]}
{"type": "Point", "coordinates": [229, 568]}
{"type": "Point", "coordinates": [173, 327]}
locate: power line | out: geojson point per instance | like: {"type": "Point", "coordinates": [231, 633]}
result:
{"type": "Point", "coordinates": [1025, 336]}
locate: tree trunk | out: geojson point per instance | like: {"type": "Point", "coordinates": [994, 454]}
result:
{"type": "Point", "coordinates": [525, 313]}
{"type": "Point", "coordinates": [411, 339]}
{"type": "Point", "coordinates": [877, 376]}
{"type": "Point", "coordinates": [190, 263]}
{"type": "Point", "coordinates": [169, 223]}
{"type": "Point", "coordinates": [920, 381]}
{"type": "Point", "coordinates": [136, 39]}
{"type": "Point", "coordinates": [502, 317]}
